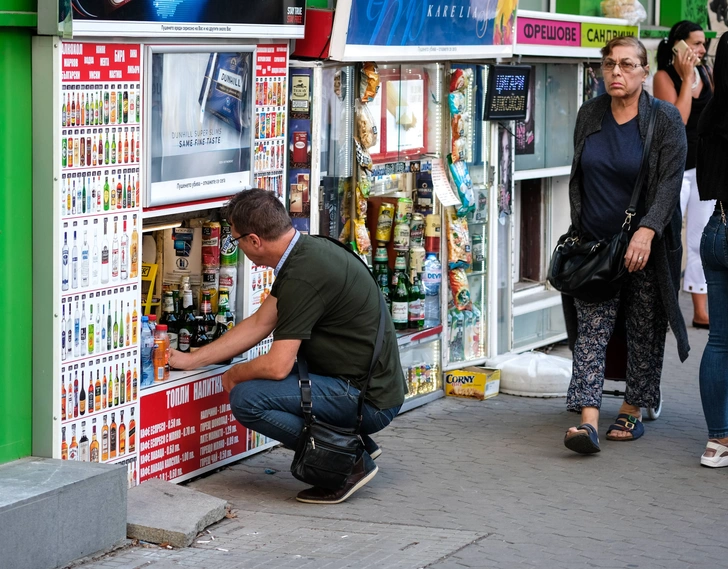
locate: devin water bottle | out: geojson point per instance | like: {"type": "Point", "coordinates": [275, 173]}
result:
{"type": "Point", "coordinates": [147, 348]}
{"type": "Point", "coordinates": [431, 279]}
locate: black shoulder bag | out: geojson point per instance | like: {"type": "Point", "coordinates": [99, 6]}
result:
{"type": "Point", "coordinates": [594, 270]}
{"type": "Point", "coordinates": [326, 454]}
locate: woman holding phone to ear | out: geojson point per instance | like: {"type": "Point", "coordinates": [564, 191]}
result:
{"type": "Point", "coordinates": [682, 80]}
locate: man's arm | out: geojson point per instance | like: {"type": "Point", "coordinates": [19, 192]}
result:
{"type": "Point", "coordinates": [242, 337]}
{"type": "Point", "coordinates": [276, 365]}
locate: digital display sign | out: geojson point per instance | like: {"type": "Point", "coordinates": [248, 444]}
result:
{"type": "Point", "coordinates": [507, 94]}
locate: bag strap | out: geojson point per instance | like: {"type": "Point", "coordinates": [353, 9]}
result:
{"type": "Point", "coordinates": [632, 209]}
{"type": "Point", "coordinates": [304, 380]}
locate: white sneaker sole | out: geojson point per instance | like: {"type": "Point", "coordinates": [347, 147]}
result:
{"type": "Point", "coordinates": [714, 461]}
{"type": "Point", "coordinates": [376, 454]}
{"type": "Point", "coordinates": [346, 496]}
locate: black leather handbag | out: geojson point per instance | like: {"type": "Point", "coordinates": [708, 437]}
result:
{"type": "Point", "coordinates": [593, 270]}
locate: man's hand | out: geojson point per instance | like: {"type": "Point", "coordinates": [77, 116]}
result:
{"type": "Point", "coordinates": [181, 360]}
{"type": "Point", "coordinates": [639, 249]}
{"type": "Point", "coordinates": [228, 382]}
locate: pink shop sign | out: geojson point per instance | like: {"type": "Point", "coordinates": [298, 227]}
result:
{"type": "Point", "coordinates": [548, 32]}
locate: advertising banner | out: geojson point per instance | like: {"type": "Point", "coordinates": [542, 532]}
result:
{"type": "Point", "coordinates": [188, 428]}
{"type": "Point", "coordinates": [200, 125]}
{"type": "Point", "coordinates": [189, 18]}
{"type": "Point", "coordinates": [422, 29]}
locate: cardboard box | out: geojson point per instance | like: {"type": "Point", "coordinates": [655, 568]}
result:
{"type": "Point", "coordinates": [472, 382]}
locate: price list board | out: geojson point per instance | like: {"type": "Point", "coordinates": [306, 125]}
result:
{"type": "Point", "coordinates": [270, 116]}
{"type": "Point", "coordinates": [188, 429]}
{"type": "Point", "coordinates": [99, 252]}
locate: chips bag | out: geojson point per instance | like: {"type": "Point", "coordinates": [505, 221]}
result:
{"type": "Point", "coordinates": [463, 183]}
{"type": "Point", "coordinates": [459, 254]}
{"type": "Point", "coordinates": [368, 82]}
{"type": "Point", "coordinates": [460, 289]}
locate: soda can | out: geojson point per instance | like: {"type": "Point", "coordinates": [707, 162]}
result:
{"type": "Point", "coordinates": [417, 229]}
{"type": "Point", "coordinates": [416, 260]}
{"type": "Point", "coordinates": [384, 222]}
{"type": "Point", "coordinates": [404, 210]}
{"type": "Point", "coordinates": [401, 237]}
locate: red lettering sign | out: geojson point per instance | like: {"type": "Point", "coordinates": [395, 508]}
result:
{"type": "Point", "coordinates": [86, 62]}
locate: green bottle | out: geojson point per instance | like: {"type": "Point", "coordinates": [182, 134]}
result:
{"type": "Point", "coordinates": [399, 294]}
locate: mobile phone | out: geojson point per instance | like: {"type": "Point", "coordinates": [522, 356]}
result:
{"type": "Point", "coordinates": [681, 47]}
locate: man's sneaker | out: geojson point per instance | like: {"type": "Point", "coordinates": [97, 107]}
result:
{"type": "Point", "coordinates": [371, 447]}
{"type": "Point", "coordinates": [364, 471]}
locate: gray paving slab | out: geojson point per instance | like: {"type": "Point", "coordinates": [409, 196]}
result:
{"type": "Point", "coordinates": [470, 484]}
{"type": "Point", "coordinates": [165, 513]}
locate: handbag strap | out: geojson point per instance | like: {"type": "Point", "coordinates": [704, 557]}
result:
{"type": "Point", "coordinates": [632, 209]}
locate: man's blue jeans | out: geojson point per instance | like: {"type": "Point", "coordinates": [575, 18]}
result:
{"type": "Point", "coordinates": [714, 365]}
{"type": "Point", "coordinates": [273, 408]}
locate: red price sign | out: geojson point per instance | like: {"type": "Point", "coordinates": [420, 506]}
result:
{"type": "Point", "coordinates": [100, 62]}
{"type": "Point", "coordinates": [188, 428]}
{"type": "Point", "coordinates": [271, 60]}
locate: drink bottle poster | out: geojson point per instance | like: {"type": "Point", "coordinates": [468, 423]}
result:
{"type": "Point", "coordinates": [200, 126]}
{"type": "Point", "coordinates": [189, 18]}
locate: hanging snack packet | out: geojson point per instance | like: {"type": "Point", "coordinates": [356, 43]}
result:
{"type": "Point", "coordinates": [459, 289]}
{"type": "Point", "coordinates": [224, 90]}
{"type": "Point", "coordinates": [458, 126]}
{"type": "Point", "coordinates": [463, 183]}
{"type": "Point", "coordinates": [361, 204]}
{"type": "Point", "coordinates": [368, 82]}
{"type": "Point", "coordinates": [366, 132]}
{"type": "Point", "coordinates": [361, 234]}
{"type": "Point", "coordinates": [365, 182]}
{"type": "Point", "coordinates": [362, 156]}
{"type": "Point", "coordinates": [345, 232]}
{"type": "Point", "coordinates": [459, 149]}
{"type": "Point", "coordinates": [457, 103]}
{"type": "Point", "coordinates": [459, 254]}
{"type": "Point", "coordinates": [460, 79]}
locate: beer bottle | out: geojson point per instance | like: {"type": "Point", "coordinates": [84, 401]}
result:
{"type": "Point", "coordinates": [170, 319]}
{"type": "Point", "coordinates": [400, 294]}
{"type": "Point", "coordinates": [221, 323]}
{"type": "Point", "coordinates": [187, 325]}
{"type": "Point", "coordinates": [208, 317]}
{"type": "Point", "coordinates": [416, 310]}
{"type": "Point", "coordinates": [199, 337]}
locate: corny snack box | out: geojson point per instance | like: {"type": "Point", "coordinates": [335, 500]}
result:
{"type": "Point", "coordinates": [473, 382]}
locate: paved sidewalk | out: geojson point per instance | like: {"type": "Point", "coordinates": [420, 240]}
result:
{"type": "Point", "coordinates": [484, 484]}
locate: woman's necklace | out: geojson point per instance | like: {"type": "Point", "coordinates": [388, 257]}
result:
{"type": "Point", "coordinates": [696, 81]}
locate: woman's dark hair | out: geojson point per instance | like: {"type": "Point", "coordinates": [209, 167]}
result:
{"type": "Point", "coordinates": [257, 211]}
{"type": "Point", "coordinates": [626, 41]}
{"type": "Point", "coordinates": [720, 72]}
{"type": "Point", "coordinates": [680, 31]}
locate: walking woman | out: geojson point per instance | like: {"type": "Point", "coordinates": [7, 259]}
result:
{"type": "Point", "coordinates": [684, 81]}
{"type": "Point", "coordinates": [608, 141]}
{"type": "Point", "coordinates": [713, 185]}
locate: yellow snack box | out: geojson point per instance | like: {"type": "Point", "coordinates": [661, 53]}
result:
{"type": "Point", "coordinates": [473, 382]}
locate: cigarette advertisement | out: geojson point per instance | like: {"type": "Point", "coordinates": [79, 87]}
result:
{"type": "Point", "coordinates": [189, 18]}
{"type": "Point", "coordinates": [200, 126]}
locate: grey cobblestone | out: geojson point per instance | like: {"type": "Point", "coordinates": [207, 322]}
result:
{"type": "Point", "coordinates": [467, 484]}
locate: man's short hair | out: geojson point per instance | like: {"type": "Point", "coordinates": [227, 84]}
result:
{"type": "Point", "coordinates": [257, 211]}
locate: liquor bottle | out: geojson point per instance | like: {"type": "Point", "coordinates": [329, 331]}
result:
{"type": "Point", "coordinates": [131, 194]}
{"type": "Point", "coordinates": [99, 193]}
{"type": "Point", "coordinates": [116, 384]}
{"type": "Point", "coordinates": [82, 396]}
{"type": "Point", "coordinates": [128, 379]}
{"type": "Point", "coordinates": [95, 257]}
{"type": "Point", "coordinates": [110, 386]}
{"type": "Point", "coordinates": [132, 432]}
{"type": "Point", "coordinates": [82, 163]}
{"type": "Point", "coordinates": [69, 332]}
{"type": "Point", "coordinates": [122, 434]}
{"type": "Point", "coordinates": [124, 269]}
{"type": "Point", "coordinates": [77, 153]}
{"type": "Point", "coordinates": [134, 249]}
{"type": "Point", "coordinates": [97, 389]}
{"type": "Point", "coordinates": [116, 326]}
{"type": "Point", "coordinates": [119, 193]}
{"type": "Point", "coordinates": [107, 328]}
{"type": "Point", "coordinates": [64, 262]}
{"type": "Point", "coordinates": [400, 294]}
{"type": "Point", "coordinates": [106, 107]}
{"type": "Point", "coordinates": [170, 319]}
{"type": "Point", "coordinates": [106, 195]}
{"type": "Point", "coordinates": [98, 345]}
{"type": "Point", "coordinates": [416, 308]}
{"type": "Point", "coordinates": [77, 331]}
{"type": "Point", "coordinates": [69, 397]}
{"type": "Point", "coordinates": [73, 449]}
{"type": "Point", "coordinates": [63, 396]}
{"type": "Point", "coordinates": [63, 110]}
{"type": "Point", "coordinates": [128, 325]}
{"type": "Point", "coordinates": [134, 383]}
{"type": "Point", "coordinates": [63, 332]}
{"type": "Point", "coordinates": [187, 326]}
{"type": "Point", "coordinates": [64, 151]}
{"type": "Point", "coordinates": [137, 106]}
{"type": "Point", "coordinates": [68, 196]}
{"type": "Point", "coordinates": [125, 106]}
{"type": "Point", "coordinates": [107, 154]}
{"type": "Point", "coordinates": [126, 145]}
{"type": "Point", "coordinates": [90, 329]}
{"type": "Point", "coordinates": [208, 318]}
{"type": "Point", "coordinates": [112, 437]}
{"type": "Point", "coordinates": [82, 325]}
{"type": "Point", "coordinates": [73, 111]}
{"type": "Point", "coordinates": [94, 150]}
{"type": "Point", "coordinates": [134, 325]}
{"type": "Point", "coordinates": [115, 252]}
{"type": "Point", "coordinates": [121, 324]}
{"type": "Point", "coordinates": [84, 260]}
{"type": "Point", "coordinates": [94, 448]}
{"type": "Point", "coordinates": [90, 393]}
{"type": "Point", "coordinates": [113, 146]}
{"type": "Point", "coordinates": [119, 106]}
{"type": "Point", "coordinates": [112, 105]}
{"type": "Point", "coordinates": [120, 380]}
{"type": "Point", "coordinates": [125, 198]}
{"type": "Point", "coordinates": [87, 117]}
{"type": "Point", "coordinates": [105, 254]}
{"type": "Point", "coordinates": [64, 444]}
{"type": "Point", "coordinates": [199, 337]}
{"type": "Point", "coordinates": [74, 263]}
{"type": "Point", "coordinates": [105, 441]}
{"type": "Point", "coordinates": [83, 445]}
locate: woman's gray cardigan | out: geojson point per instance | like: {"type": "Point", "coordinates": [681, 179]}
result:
{"type": "Point", "coordinates": [664, 180]}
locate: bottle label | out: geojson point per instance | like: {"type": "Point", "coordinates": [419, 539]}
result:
{"type": "Point", "coordinates": [416, 310]}
{"type": "Point", "coordinates": [399, 312]}
{"type": "Point", "coordinates": [184, 340]}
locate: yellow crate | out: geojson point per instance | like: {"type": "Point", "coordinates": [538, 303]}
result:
{"type": "Point", "coordinates": [472, 382]}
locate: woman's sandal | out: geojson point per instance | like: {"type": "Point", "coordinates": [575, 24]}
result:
{"type": "Point", "coordinates": [625, 422]}
{"type": "Point", "coordinates": [719, 459]}
{"type": "Point", "coordinates": [584, 441]}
